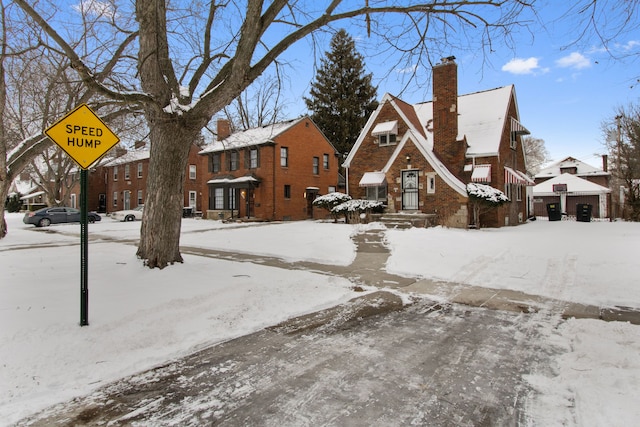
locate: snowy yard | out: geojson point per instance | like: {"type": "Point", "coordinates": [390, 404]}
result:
{"type": "Point", "coordinates": [140, 318]}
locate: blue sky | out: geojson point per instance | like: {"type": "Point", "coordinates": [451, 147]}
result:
{"type": "Point", "coordinates": [565, 90]}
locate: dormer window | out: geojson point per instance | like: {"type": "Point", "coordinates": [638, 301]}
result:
{"type": "Point", "coordinates": [386, 132]}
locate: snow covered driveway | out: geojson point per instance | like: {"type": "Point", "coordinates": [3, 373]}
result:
{"type": "Point", "coordinates": [427, 364]}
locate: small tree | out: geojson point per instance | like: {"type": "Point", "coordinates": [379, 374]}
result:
{"type": "Point", "coordinates": [342, 96]}
{"type": "Point", "coordinates": [330, 201]}
{"type": "Point", "coordinates": [536, 154]}
{"type": "Point", "coordinates": [484, 198]}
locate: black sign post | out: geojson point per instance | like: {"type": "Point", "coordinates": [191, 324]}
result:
{"type": "Point", "coordinates": [84, 251]}
{"type": "Point", "coordinates": [85, 138]}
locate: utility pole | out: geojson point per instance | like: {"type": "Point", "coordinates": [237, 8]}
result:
{"type": "Point", "coordinates": [616, 177]}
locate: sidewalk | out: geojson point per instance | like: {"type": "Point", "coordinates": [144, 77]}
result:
{"type": "Point", "coordinates": [368, 269]}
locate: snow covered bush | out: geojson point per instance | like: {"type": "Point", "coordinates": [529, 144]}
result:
{"type": "Point", "coordinates": [351, 209]}
{"type": "Point", "coordinates": [330, 201]}
{"type": "Point", "coordinates": [483, 198]}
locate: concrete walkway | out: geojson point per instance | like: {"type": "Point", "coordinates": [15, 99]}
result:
{"type": "Point", "coordinates": [368, 269]}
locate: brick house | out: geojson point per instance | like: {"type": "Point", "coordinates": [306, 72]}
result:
{"type": "Point", "coordinates": [570, 182]}
{"type": "Point", "coordinates": [273, 172]}
{"type": "Point", "coordinates": [418, 158]}
{"type": "Point", "coordinates": [123, 181]}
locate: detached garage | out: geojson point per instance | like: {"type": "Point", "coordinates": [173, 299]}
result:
{"type": "Point", "coordinates": [569, 190]}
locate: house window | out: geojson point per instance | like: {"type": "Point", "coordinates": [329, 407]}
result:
{"type": "Point", "coordinates": [139, 170]}
{"type": "Point", "coordinates": [126, 172]}
{"type": "Point", "coordinates": [140, 201]}
{"type": "Point", "coordinates": [251, 159]}
{"type": "Point", "coordinates": [287, 191]}
{"type": "Point", "coordinates": [325, 161]}
{"type": "Point", "coordinates": [192, 199]}
{"type": "Point", "coordinates": [386, 132]}
{"type": "Point", "coordinates": [192, 171]}
{"type": "Point", "coordinates": [218, 198]}
{"type": "Point", "coordinates": [519, 193]}
{"type": "Point", "coordinates": [431, 183]}
{"type": "Point", "coordinates": [316, 165]}
{"type": "Point", "coordinates": [332, 189]}
{"type": "Point", "coordinates": [284, 157]}
{"type": "Point", "coordinates": [233, 160]}
{"type": "Point", "coordinates": [386, 139]}
{"type": "Point", "coordinates": [377, 193]}
{"type": "Point", "coordinates": [214, 163]}
{"type": "Point", "coordinates": [115, 199]}
{"type": "Point", "coordinates": [507, 190]}
{"type": "Point", "coordinates": [115, 173]}
{"type": "Point", "coordinates": [73, 200]}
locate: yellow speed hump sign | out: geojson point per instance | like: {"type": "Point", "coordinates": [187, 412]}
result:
{"type": "Point", "coordinates": [83, 136]}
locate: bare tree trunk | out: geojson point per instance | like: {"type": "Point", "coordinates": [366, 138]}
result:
{"type": "Point", "coordinates": [161, 220]}
{"type": "Point", "coordinates": [4, 189]}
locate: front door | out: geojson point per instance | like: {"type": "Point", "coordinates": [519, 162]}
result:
{"type": "Point", "coordinates": [410, 190]}
{"type": "Point", "coordinates": [127, 200]}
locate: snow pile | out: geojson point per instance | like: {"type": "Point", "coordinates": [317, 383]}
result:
{"type": "Point", "coordinates": [486, 192]}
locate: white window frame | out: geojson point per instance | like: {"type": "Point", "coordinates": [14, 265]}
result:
{"type": "Point", "coordinates": [386, 139]}
{"type": "Point", "coordinates": [431, 183]}
{"type": "Point", "coordinates": [192, 171]}
{"type": "Point", "coordinates": [115, 199]}
{"type": "Point", "coordinates": [192, 199]}
{"type": "Point", "coordinates": [127, 175]}
{"type": "Point", "coordinates": [139, 170]}
{"type": "Point", "coordinates": [73, 200]}
{"type": "Point", "coordinates": [115, 173]}
{"type": "Point", "coordinates": [140, 199]}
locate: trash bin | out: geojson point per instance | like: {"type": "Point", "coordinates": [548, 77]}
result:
{"type": "Point", "coordinates": [187, 212]}
{"type": "Point", "coordinates": [583, 212]}
{"type": "Point", "coordinates": [553, 211]}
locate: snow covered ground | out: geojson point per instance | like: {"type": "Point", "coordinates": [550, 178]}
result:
{"type": "Point", "coordinates": [140, 318]}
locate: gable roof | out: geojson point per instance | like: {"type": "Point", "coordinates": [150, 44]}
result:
{"type": "Point", "coordinates": [575, 184]}
{"type": "Point", "coordinates": [582, 168]}
{"type": "Point", "coordinates": [251, 137]}
{"type": "Point", "coordinates": [482, 116]}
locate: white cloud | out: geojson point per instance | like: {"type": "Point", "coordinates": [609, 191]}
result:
{"type": "Point", "coordinates": [94, 7]}
{"type": "Point", "coordinates": [523, 66]}
{"type": "Point", "coordinates": [574, 60]}
{"type": "Point", "coordinates": [408, 70]}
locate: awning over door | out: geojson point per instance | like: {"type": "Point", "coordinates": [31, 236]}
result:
{"type": "Point", "coordinates": [385, 127]}
{"type": "Point", "coordinates": [373, 179]}
{"type": "Point", "coordinates": [231, 182]}
{"type": "Point", "coordinates": [481, 173]}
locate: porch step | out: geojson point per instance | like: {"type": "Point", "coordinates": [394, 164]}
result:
{"type": "Point", "coordinates": [405, 220]}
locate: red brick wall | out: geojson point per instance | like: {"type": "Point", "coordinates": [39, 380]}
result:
{"type": "Point", "coordinates": [304, 141]}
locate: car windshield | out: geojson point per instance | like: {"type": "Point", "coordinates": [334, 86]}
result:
{"type": "Point", "coordinates": [139, 208]}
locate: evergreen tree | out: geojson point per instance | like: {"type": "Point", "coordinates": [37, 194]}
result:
{"type": "Point", "coordinates": [342, 96]}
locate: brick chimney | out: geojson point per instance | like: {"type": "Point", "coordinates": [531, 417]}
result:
{"type": "Point", "coordinates": [605, 163]}
{"type": "Point", "coordinates": [224, 129]}
{"type": "Point", "coordinates": [445, 116]}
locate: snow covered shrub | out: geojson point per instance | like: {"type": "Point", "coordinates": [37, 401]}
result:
{"type": "Point", "coordinates": [483, 198]}
{"type": "Point", "coordinates": [330, 201]}
{"type": "Point", "coordinates": [352, 209]}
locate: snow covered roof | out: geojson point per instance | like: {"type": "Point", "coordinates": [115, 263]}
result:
{"type": "Point", "coordinates": [481, 119]}
{"type": "Point", "coordinates": [575, 184]}
{"type": "Point", "coordinates": [256, 136]}
{"type": "Point", "coordinates": [129, 157]}
{"type": "Point", "coordinates": [582, 168]}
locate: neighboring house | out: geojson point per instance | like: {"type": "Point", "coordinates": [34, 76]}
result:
{"type": "Point", "coordinates": [571, 182]}
{"type": "Point", "coordinates": [420, 157]}
{"type": "Point", "coordinates": [125, 181]}
{"type": "Point", "coordinates": [273, 172]}
{"type": "Point", "coordinates": [31, 193]}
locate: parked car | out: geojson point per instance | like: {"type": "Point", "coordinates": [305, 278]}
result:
{"type": "Point", "coordinates": [128, 214]}
{"type": "Point", "coordinates": [57, 215]}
